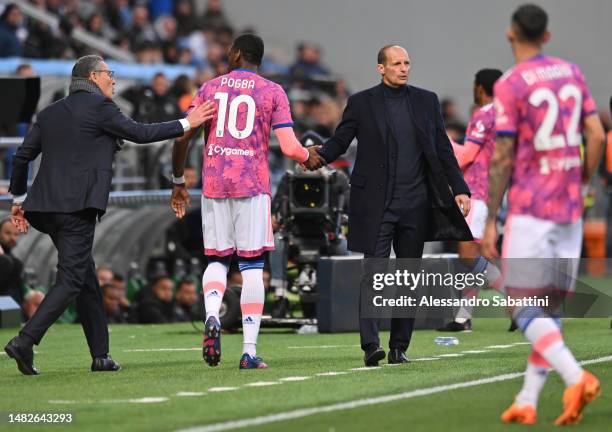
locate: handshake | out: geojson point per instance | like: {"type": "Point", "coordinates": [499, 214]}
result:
{"type": "Point", "coordinates": [313, 142]}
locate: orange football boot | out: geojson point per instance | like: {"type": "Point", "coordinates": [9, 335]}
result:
{"type": "Point", "coordinates": [523, 414]}
{"type": "Point", "coordinates": [576, 397]}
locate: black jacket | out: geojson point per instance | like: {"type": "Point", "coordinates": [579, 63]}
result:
{"type": "Point", "coordinates": [364, 119]}
{"type": "Point", "coordinates": [77, 137]}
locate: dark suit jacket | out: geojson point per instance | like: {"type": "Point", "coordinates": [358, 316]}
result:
{"type": "Point", "coordinates": [77, 137]}
{"type": "Point", "coordinates": [364, 119]}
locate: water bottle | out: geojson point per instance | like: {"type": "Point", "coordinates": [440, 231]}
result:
{"type": "Point", "coordinates": [446, 340]}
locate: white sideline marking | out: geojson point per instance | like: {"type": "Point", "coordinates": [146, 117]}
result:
{"type": "Point", "coordinates": [222, 389]}
{"type": "Point", "coordinates": [331, 373]}
{"type": "Point", "coordinates": [161, 349]}
{"type": "Point", "coordinates": [426, 359]}
{"type": "Point", "coordinates": [474, 351]}
{"type": "Point", "coordinates": [322, 346]}
{"type": "Point", "coordinates": [289, 415]}
{"type": "Point", "coordinates": [365, 368]}
{"type": "Point", "coordinates": [295, 378]}
{"type": "Point", "coordinates": [521, 343]}
{"type": "Point", "coordinates": [2, 353]}
{"type": "Point", "coordinates": [451, 355]}
{"type": "Point", "coordinates": [110, 401]}
{"type": "Point", "coordinates": [500, 346]}
{"type": "Point", "coordinates": [261, 383]}
{"type": "Point", "coordinates": [187, 394]}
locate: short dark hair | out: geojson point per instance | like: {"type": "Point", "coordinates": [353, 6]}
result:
{"type": "Point", "coordinates": [486, 78]}
{"type": "Point", "coordinates": [531, 22]}
{"type": "Point", "coordinates": [183, 282]}
{"type": "Point", "coordinates": [382, 54]}
{"type": "Point", "coordinates": [251, 48]}
{"type": "Point", "coordinates": [107, 287]}
{"type": "Point", "coordinates": [86, 65]}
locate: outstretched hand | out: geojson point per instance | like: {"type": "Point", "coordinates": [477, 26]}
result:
{"type": "Point", "coordinates": [201, 114]}
{"type": "Point", "coordinates": [315, 160]}
{"type": "Point", "coordinates": [180, 200]}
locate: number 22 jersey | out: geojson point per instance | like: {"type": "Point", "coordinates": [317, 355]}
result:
{"type": "Point", "coordinates": [237, 137]}
{"type": "Point", "coordinates": [543, 101]}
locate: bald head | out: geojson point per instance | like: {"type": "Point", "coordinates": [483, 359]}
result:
{"type": "Point", "coordinates": [393, 65]}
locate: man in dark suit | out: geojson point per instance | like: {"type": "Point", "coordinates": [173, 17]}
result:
{"type": "Point", "coordinates": [77, 137]}
{"type": "Point", "coordinates": [406, 185]}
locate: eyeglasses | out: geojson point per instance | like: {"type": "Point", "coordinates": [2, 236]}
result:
{"type": "Point", "coordinates": [111, 74]}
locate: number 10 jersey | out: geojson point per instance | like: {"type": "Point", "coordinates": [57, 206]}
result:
{"type": "Point", "coordinates": [237, 137]}
{"type": "Point", "coordinates": [543, 102]}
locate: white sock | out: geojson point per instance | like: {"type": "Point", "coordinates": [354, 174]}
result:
{"type": "Point", "coordinates": [251, 305]}
{"type": "Point", "coordinates": [213, 285]}
{"type": "Point", "coordinates": [546, 339]}
{"type": "Point", "coordinates": [535, 378]}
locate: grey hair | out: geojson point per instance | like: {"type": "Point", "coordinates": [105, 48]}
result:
{"type": "Point", "coordinates": [86, 65]}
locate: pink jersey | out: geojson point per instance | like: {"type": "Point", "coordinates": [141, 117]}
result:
{"type": "Point", "coordinates": [237, 137]}
{"type": "Point", "coordinates": [543, 102]}
{"type": "Point", "coordinates": [480, 131]}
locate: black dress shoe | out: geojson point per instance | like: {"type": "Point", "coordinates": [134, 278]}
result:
{"type": "Point", "coordinates": [23, 355]}
{"type": "Point", "coordinates": [105, 364]}
{"type": "Point", "coordinates": [454, 326]}
{"type": "Point", "coordinates": [373, 356]}
{"type": "Point", "coordinates": [397, 356]}
{"type": "Point", "coordinates": [514, 326]}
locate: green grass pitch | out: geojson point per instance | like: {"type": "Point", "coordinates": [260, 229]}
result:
{"type": "Point", "coordinates": [183, 382]}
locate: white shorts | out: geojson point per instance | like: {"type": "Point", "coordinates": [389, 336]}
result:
{"type": "Point", "coordinates": [477, 218]}
{"type": "Point", "coordinates": [541, 254]}
{"type": "Point", "coordinates": [241, 225]}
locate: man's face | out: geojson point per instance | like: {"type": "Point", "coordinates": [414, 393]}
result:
{"type": "Point", "coordinates": [111, 299]}
{"type": "Point", "coordinates": [105, 276]}
{"type": "Point", "coordinates": [396, 69]}
{"type": "Point", "coordinates": [160, 85]}
{"type": "Point", "coordinates": [163, 290]}
{"type": "Point", "coordinates": [8, 235]}
{"type": "Point", "coordinates": [102, 77]}
{"type": "Point", "coordinates": [187, 294]}
{"type": "Point", "coordinates": [14, 18]}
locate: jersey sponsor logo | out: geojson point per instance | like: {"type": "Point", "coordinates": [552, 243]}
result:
{"type": "Point", "coordinates": [238, 83]}
{"type": "Point", "coordinates": [227, 151]}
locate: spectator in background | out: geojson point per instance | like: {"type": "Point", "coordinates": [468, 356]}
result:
{"type": "Point", "coordinates": [308, 62]}
{"type": "Point", "coordinates": [31, 301]}
{"type": "Point", "coordinates": [187, 307]}
{"type": "Point", "coordinates": [149, 53]}
{"type": "Point", "coordinates": [118, 282]}
{"type": "Point", "coordinates": [119, 14]}
{"type": "Point", "coordinates": [450, 114]}
{"type": "Point", "coordinates": [157, 306]}
{"type": "Point", "coordinates": [213, 16]}
{"type": "Point", "coordinates": [183, 90]}
{"type": "Point", "coordinates": [10, 22]}
{"type": "Point", "coordinates": [105, 275]}
{"type": "Point", "coordinates": [141, 29]}
{"type": "Point", "coordinates": [186, 20]}
{"type": "Point", "coordinates": [25, 70]}
{"type": "Point", "coordinates": [111, 298]}
{"type": "Point", "coordinates": [11, 268]}
{"type": "Point", "coordinates": [96, 25]}
{"type": "Point", "coordinates": [156, 103]}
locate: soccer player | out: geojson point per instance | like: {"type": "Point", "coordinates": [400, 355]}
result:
{"type": "Point", "coordinates": [474, 157]}
{"type": "Point", "coordinates": [543, 107]}
{"type": "Point", "coordinates": [236, 187]}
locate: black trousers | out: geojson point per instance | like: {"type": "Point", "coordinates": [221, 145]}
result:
{"type": "Point", "coordinates": [72, 235]}
{"type": "Point", "coordinates": [404, 225]}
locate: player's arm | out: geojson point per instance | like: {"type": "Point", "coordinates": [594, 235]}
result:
{"type": "Point", "coordinates": [466, 153]}
{"type": "Point", "coordinates": [289, 144]}
{"type": "Point", "coordinates": [595, 141]}
{"type": "Point", "coordinates": [499, 173]}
